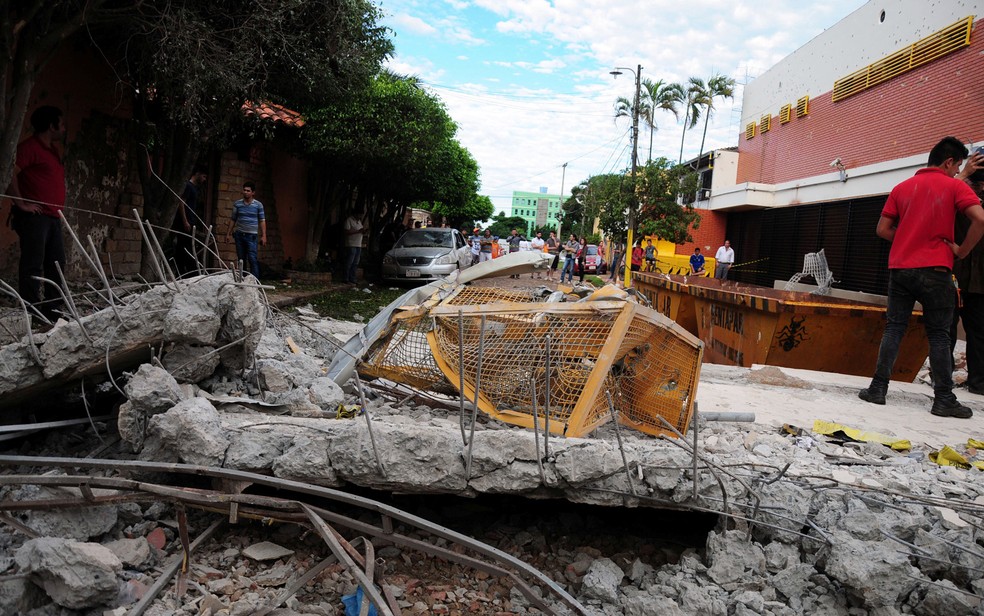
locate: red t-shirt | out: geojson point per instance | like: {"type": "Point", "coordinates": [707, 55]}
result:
{"type": "Point", "coordinates": [42, 175]}
{"type": "Point", "coordinates": [637, 254]}
{"type": "Point", "coordinates": [924, 208]}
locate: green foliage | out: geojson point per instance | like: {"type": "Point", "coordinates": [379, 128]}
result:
{"type": "Point", "coordinates": [478, 208]}
{"type": "Point", "coordinates": [660, 184]}
{"type": "Point", "coordinates": [199, 61]}
{"type": "Point", "coordinates": [545, 230]}
{"type": "Point", "coordinates": [605, 197]}
{"type": "Point", "coordinates": [397, 143]}
{"type": "Point", "coordinates": [349, 304]}
{"type": "Point", "coordinates": [503, 225]}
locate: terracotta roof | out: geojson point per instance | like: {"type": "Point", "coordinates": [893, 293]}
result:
{"type": "Point", "coordinates": [274, 112]}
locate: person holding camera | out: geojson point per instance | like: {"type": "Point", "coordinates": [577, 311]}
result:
{"type": "Point", "coordinates": [918, 220]}
{"type": "Point", "coordinates": [969, 276]}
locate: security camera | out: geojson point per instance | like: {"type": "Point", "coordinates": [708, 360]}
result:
{"type": "Point", "coordinates": [835, 163]}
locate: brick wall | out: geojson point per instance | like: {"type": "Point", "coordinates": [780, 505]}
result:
{"type": "Point", "coordinates": [708, 236]}
{"type": "Point", "coordinates": [902, 117]}
{"type": "Point", "coordinates": [233, 171]}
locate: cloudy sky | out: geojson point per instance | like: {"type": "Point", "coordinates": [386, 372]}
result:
{"type": "Point", "coordinates": [528, 81]}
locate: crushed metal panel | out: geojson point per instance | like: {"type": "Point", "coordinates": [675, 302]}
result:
{"type": "Point", "coordinates": [648, 363]}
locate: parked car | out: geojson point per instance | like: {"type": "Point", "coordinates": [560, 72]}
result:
{"type": "Point", "coordinates": [426, 254]}
{"type": "Point", "coordinates": [594, 262]}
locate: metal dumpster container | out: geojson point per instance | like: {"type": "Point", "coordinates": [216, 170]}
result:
{"type": "Point", "coordinates": [670, 296]}
{"type": "Point", "coordinates": [743, 325]}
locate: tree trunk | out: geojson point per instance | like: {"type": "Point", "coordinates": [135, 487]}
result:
{"type": "Point", "coordinates": [707, 118]}
{"type": "Point", "coordinates": [652, 129]}
{"type": "Point", "coordinates": [686, 120]}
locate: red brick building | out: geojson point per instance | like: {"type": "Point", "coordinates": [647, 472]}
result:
{"type": "Point", "coordinates": [834, 126]}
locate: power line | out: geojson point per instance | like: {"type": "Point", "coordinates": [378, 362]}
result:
{"type": "Point", "coordinates": [536, 175]}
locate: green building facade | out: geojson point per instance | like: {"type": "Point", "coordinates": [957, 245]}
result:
{"type": "Point", "coordinates": [538, 209]}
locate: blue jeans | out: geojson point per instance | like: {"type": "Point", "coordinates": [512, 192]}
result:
{"type": "Point", "coordinates": [568, 269]}
{"type": "Point", "coordinates": [352, 262]}
{"type": "Point", "coordinates": [933, 288]}
{"type": "Point", "coordinates": [246, 248]}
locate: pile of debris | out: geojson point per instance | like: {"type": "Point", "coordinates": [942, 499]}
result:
{"type": "Point", "coordinates": [250, 424]}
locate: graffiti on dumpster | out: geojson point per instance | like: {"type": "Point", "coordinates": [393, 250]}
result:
{"type": "Point", "coordinates": [793, 334]}
{"type": "Point", "coordinates": [728, 318]}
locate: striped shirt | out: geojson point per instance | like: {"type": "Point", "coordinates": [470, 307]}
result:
{"type": "Point", "coordinates": [247, 216]}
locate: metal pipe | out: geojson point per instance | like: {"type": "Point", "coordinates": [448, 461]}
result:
{"type": "Point", "coordinates": [724, 416]}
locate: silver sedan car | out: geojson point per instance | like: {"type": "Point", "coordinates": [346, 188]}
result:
{"type": "Point", "coordinates": [426, 254]}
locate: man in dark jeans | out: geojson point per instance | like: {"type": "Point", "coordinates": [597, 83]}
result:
{"type": "Point", "coordinates": [38, 191]}
{"type": "Point", "coordinates": [918, 220]}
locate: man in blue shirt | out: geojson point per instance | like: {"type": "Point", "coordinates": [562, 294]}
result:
{"type": "Point", "coordinates": [250, 222]}
{"type": "Point", "coordinates": [697, 263]}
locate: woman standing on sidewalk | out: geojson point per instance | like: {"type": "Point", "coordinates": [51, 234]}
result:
{"type": "Point", "coordinates": [570, 253]}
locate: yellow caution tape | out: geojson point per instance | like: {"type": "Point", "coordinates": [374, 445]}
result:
{"type": "Point", "coordinates": [829, 428]}
{"type": "Point", "coordinates": [948, 456]}
{"type": "Point", "coordinates": [347, 411]}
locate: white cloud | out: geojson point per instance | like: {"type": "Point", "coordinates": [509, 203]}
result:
{"type": "Point", "coordinates": [413, 24]}
{"type": "Point", "coordinates": [548, 63]}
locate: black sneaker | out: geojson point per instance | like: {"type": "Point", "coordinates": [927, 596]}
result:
{"type": "Point", "coordinates": [975, 391]}
{"type": "Point", "coordinates": [951, 408]}
{"type": "Point", "coordinates": [872, 395]}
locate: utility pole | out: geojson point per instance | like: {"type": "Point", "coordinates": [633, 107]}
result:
{"type": "Point", "coordinates": [560, 220]}
{"type": "Point", "coordinates": [635, 157]}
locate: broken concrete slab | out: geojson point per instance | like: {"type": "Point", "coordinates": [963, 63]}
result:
{"type": "Point", "coordinates": [66, 353]}
{"type": "Point", "coordinates": [873, 572]}
{"type": "Point", "coordinates": [79, 523]}
{"type": "Point", "coordinates": [150, 390]}
{"type": "Point", "coordinates": [190, 432]}
{"type": "Point", "coordinates": [75, 575]}
{"type": "Point", "coordinates": [266, 550]}
{"type": "Point", "coordinates": [133, 553]}
{"type": "Point", "coordinates": [602, 580]}
{"type": "Point", "coordinates": [190, 363]}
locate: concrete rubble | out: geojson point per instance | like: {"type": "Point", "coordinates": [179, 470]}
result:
{"type": "Point", "coordinates": [806, 525]}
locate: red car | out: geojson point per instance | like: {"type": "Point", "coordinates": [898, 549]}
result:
{"type": "Point", "coordinates": [594, 263]}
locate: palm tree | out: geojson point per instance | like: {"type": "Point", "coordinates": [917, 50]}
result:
{"type": "Point", "coordinates": [717, 86]}
{"type": "Point", "coordinates": [623, 108]}
{"type": "Point", "coordinates": [696, 97]}
{"type": "Point", "coordinates": [659, 95]}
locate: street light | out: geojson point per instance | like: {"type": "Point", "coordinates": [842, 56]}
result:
{"type": "Point", "coordinates": [635, 148]}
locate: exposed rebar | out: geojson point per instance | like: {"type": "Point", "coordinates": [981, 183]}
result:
{"type": "Point", "coordinates": [621, 446]}
{"type": "Point", "coordinates": [478, 383]}
{"type": "Point", "coordinates": [365, 413]}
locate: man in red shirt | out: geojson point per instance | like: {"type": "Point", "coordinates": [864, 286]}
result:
{"type": "Point", "coordinates": [918, 220]}
{"type": "Point", "coordinates": [38, 191]}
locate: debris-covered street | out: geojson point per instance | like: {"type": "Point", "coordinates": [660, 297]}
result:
{"type": "Point", "coordinates": [237, 477]}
